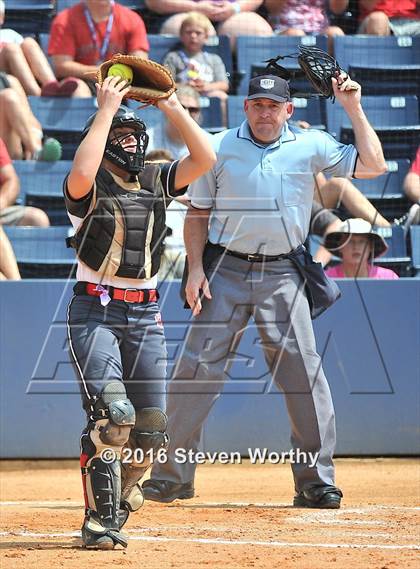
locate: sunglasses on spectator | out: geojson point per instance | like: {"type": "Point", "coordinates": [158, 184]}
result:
{"type": "Point", "coordinates": [192, 110]}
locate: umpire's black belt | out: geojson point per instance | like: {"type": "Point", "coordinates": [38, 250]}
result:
{"type": "Point", "coordinates": [250, 257]}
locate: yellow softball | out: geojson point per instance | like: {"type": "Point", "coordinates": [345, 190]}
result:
{"type": "Point", "coordinates": [121, 70]}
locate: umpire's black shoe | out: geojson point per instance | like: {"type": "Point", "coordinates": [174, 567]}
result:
{"type": "Point", "coordinates": [325, 497]}
{"type": "Point", "coordinates": [167, 491]}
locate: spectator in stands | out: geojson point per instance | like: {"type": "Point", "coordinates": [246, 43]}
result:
{"type": "Point", "coordinates": [411, 188]}
{"type": "Point", "coordinates": [24, 58]}
{"type": "Point", "coordinates": [85, 35]}
{"type": "Point", "coordinates": [358, 244]}
{"type": "Point", "coordinates": [412, 180]}
{"type": "Point", "coordinates": [337, 192]}
{"type": "Point", "coordinates": [231, 18]}
{"type": "Point", "coordinates": [165, 135]}
{"type": "Point", "coordinates": [323, 221]}
{"type": "Point", "coordinates": [304, 17]}
{"type": "Point", "coordinates": [8, 265]}
{"type": "Point", "coordinates": [190, 65]}
{"type": "Point", "coordinates": [386, 17]}
{"type": "Point", "coordinates": [19, 128]}
{"type": "Point", "coordinates": [11, 214]}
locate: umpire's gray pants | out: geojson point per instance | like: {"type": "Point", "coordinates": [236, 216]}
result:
{"type": "Point", "coordinates": [273, 294]}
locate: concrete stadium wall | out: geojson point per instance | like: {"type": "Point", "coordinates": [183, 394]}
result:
{"type": "Point", "coordinates": [369, 343]}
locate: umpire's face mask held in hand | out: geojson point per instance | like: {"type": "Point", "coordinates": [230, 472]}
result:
{"type": "Point", "coordinates": [266, 118]}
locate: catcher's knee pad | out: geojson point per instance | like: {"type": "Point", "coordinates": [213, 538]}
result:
{"type": "Point", "coordinates": [146, 438]}
{"type": "Point", "coordinates": [149, 434]}
{"type": "Point", "coordinates": [112, 418]}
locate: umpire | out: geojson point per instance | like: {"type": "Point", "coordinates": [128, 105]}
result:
{"type": "Point", "coordinates": [254, 208]}
{"type": "Point", "coordinates": [117, 205]}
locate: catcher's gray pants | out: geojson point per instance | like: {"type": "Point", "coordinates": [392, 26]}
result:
{"type": "Point", "coordinates": [274, 296]}
{"type": "Point", "coordinates": [119, 342]}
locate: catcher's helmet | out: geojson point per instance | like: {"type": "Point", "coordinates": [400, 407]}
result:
{"type": "Point", "coordinates": [131, 162]}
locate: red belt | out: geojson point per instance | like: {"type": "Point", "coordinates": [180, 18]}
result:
{"type": "Point", "coordinates": [142, 296]}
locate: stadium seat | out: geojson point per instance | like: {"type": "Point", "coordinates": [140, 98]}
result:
{"type": "Point", "coordinates": [211, 114]}
{"type": "Point", "coordinates": [63, 118]}
{"type": "Point", "coordinates": [235, 110]}
{"type": "Point", "coordinates": [41, 185]}
{"type": "Point", "coordinates": [41, 252]}
{"type": "Point", "coordinates": [381, 111]}
{"type": "Point", "coordinates": [385, 192]}
{"type": "Point", "coordinates": [161, 44]}
{"type": "Point", "coordinates": [387, 79]}
{"type": "Point", "coordinates": [309, 110]}
{"type": "Point", "coordinates": [415, 246]}
{"type": "Point", "coordinates": [28, 16]}
{"type": "Point", "coordinates": [383, 65]}
{"type": "Point", "coordinates": [387, 186]}
{"type": "Point", "coordinates": [360, 49]}
{"type": "Point", "coordinates": [395, 119]}
{"type": "Point", "coordinates": [396, 258]}
{"type": "Point", "coordinates": [253, 51]}
{"type": "Point", "coordinates": [397, 141]}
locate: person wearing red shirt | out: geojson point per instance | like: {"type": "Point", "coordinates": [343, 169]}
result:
{"type": "Point", "coordinates": [386, 17]}
{"type": "Point", "coordinates": [85, 35]}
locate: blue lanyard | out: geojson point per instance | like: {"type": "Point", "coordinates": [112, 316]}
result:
{"type": "Point", "coordinates": [184, 57]}
{"type": "Point", "coordinates": [105, 44]}
{"type": "Point", "coordinates": [186, 60]}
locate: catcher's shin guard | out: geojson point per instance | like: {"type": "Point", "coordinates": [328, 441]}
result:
{"type": "Point", "coordinates": [146, 439]}
{"type": "Point", "coordinates": [112, 418]}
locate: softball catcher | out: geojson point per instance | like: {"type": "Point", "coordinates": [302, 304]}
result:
{"type": "Point", "coordinates": [116, 204]}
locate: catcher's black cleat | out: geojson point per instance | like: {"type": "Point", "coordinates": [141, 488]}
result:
{"type": "Point", "coordinates": [123, 514]}
{"type": "Point", "coordinates": [95, 536]}
{"type": "Point", "coordinates": [323, 497]}
{"type": "Point", "coordinates": [167, 491]}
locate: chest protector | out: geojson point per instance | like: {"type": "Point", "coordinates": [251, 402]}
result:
{"type": "Point", "coordinates": [142, 215]}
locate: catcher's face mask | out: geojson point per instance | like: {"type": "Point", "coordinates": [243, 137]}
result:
{"type": "Point", "coordinates": [127, 142]}
{"type": "Point", "coordinates": [120, 147]}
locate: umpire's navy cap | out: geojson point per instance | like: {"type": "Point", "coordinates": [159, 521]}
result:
{"type": "Point", "coordinates": [269, 87]}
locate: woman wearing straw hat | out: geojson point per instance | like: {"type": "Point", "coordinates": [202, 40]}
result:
{"type": "Point", "coordinates": [358, 244]}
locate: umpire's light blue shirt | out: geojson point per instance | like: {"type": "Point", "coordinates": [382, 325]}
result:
{"type": "Point", "coordinates": [261, 196]}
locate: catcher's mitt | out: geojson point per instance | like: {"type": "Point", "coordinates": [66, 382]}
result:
{"type": "Point", "coordinates": [319, 67]}
{"type": "Point", "coordinates": [151, 81]}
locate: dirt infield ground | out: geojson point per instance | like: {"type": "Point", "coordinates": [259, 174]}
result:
{"type": "Point", "coordinates": [241, 517]}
